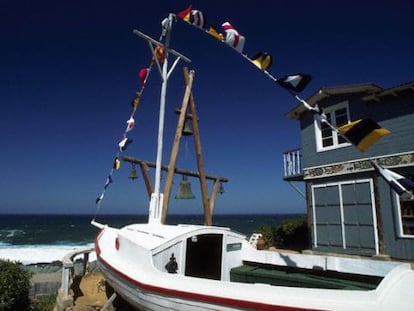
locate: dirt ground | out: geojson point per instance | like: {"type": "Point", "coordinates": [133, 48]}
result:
{"type": "Point", "coordinates": [89, 292]}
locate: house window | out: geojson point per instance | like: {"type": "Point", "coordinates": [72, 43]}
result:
{"type": "Point", "coordinates": [406, 217]}
{"type": "Point", "coordinates": [326, 137]}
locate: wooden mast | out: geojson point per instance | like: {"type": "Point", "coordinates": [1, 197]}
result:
{"type": "Point", "coordinates": [176, 144]}
{"type": "Point", "coordinates": [208, 202]}
{"type": "Point", "coordinates": [208, 216]}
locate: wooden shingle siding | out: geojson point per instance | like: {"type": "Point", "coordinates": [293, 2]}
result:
{"type": "Point", "coordinates": [355, 211]}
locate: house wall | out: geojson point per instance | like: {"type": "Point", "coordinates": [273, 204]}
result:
{"type": "Point", "coordinates": [395, 113]}
{"type": "Point", "coordinates": [393, 244]}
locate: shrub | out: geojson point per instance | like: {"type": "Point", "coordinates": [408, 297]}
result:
{"type": "Point", "coordinates": [44, 303]}
{"type": "Point", "coordinates": [292, 234]}
{"type": "Point", "coordinates": [267, 234]}
{"type": "Point", "coordinates": [14, 287]}
{"type": "Point", "coordinates": [289, 234]}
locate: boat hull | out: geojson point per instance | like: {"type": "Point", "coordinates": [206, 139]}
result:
{"type": "Point", "coordinates": [146, 297]}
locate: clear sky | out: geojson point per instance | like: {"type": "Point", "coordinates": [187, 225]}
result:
{"type": "Point", "coordinates": [69, 70]}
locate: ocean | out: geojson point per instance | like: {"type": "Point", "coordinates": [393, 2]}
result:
{"type": "Point", "coordinates": [45, 238]}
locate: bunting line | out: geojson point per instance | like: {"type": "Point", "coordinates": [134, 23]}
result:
{"type": "Point", "coordinates": [360, 133]}
{"type": "Point", "coordinates": [143, 74]}
{"type": "Point", "coordinates": [401, 185]}
{"type": "Point", "coordinates": [234, 39]}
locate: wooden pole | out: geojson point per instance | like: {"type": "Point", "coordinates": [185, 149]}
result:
{"type": "Point", "coordinates": [213, 196]}
{"type": "Point", "coordinates": [179, 171]}
{"type": "Point", "coordinates": [208, 219]}
{"type": "Point", "coordinates": [176, 144]}
{"type": "Point", "coordinates": [147, 179]}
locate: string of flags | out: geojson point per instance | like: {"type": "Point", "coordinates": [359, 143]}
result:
{"type": "Point", "coordinates": [401, 185]}
{"type": "Point", "coordinates": [159, 56]}
{"type": "Point", "coordinates": [234, 39]}
{"type": "Point", "coordinates": [361, 133]}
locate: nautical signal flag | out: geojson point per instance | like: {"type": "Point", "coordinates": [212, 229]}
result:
{"type": "Point", "coordinates": [99, 199]}
{"type": "Point", "coordinates": [262, 60]}
{"type": "Point", "coordinates": [108, 182]}
{"type": "Point", "coordinates": [123, 144]}
{"type": "Point", "coordinates": [143, 73]}
{"type": "Point", "coordinates": [397, 182]}
{"type": "Point", "coordinates": [135, 101]}
{"type": "Point", "coordinates": [185, 15]}
{"type": "Point", "coordinates": [117, 164]}
{"type": "Point", "coordinates": [363, 133]}
{"type": "Point", "coordinates": [130, 124]}
{"type": "Point", "coordinates": [296, 82]}
{"type": "Point", "coordinates": [197, 18]}
{"type": "Point", "coordinates": [159, 54]}
{"type": "Point", "coordinates": [213, 31]}
{"type": "Point", "coordinates": [233, 38]}
{"type": "Point", "coordinates": [194, 17]}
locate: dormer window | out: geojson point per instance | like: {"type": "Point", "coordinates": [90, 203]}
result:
{"type": "Point", "coordinates": [326, 137]}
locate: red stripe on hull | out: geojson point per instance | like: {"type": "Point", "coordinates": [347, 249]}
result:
{"type": "Point", "coordinates": [228, 302]}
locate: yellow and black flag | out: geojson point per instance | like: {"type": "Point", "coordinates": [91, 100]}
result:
{"type": "Point", "coordinates": [363, 133]}
{"type": "Point", "coordinates": [262, 60]}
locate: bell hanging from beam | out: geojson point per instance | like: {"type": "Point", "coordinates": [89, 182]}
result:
{"type": "Point", "coordinates": [221, 190]}
{"type": "Point", "coordinates": [133, 174]}
{"type": "Point", "coordinates": [187, 131]}
{"type": "Point", "coordinates": [184, 190]}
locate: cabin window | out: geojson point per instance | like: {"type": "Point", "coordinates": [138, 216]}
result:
{"type": "Point", "coordinates": [326, 137]}
{"type": "Point", "coordinates": [406, 212]}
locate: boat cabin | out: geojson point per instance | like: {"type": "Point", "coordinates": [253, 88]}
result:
{"type": "Point", "coordinates": [190, 250]}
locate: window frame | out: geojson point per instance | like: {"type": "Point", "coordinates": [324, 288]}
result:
{"type": "Point", "coordinates": [335, 136]}
{"type": "Point", "coordinates": [399, 219]}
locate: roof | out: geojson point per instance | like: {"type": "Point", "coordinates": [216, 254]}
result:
{"type": "Point", "coordinates": [152, 236]}
{"type": "Point", "coordinates": [394, 91]}
{"type": "Point", "coordinates": [325, 92]}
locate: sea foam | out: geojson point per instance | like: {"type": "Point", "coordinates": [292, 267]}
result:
{"type": "Point", "coordinates": [30, 254]}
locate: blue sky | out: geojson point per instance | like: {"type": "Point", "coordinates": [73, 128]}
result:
{"type": "Point", "coordinates": [69, 70]}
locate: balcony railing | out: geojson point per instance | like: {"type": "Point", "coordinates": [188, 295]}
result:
{"type": "Point", "coordinates": [292, 164]}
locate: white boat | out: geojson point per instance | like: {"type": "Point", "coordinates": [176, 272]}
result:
{"type": "Point", "coordinates": [154, 266]}
{"type": "Point", "coordinates": [135, 261]}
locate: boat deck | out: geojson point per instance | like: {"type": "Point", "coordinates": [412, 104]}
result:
{"type": "Point", "coordinates": [295, 277]}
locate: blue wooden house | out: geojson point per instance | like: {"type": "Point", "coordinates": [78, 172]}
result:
{"type": "Point", "coordinates": [350, 208]}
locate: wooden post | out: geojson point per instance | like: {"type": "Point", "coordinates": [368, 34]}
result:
{"type": "Point", "coordinates": [147, 179]}
{"type": "Point", "coordinates": [213, 196]}
{"type": "Point", "coordinates": [176, 144]}
{"type": "Point", "coordinates": [208, 219]}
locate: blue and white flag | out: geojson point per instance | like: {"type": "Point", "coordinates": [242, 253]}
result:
{"type": "Point", "coordinates": [99, 199]}
{"type": "Point", "coordinates": [108, 182]}
{"type": "Point", "coordinates": [397, 182]}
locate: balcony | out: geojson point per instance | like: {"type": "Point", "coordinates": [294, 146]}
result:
{"type": "Point", "coordinates": [292, 164]}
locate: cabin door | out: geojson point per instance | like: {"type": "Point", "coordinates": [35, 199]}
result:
{"type": "Point", "coordinates": [344, 218]}
{"type": "Point", "coordinates": [203, 256]}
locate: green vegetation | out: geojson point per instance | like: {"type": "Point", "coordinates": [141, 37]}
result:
{"type": "Point", "coordinates": [14, 290]}
{"type": "Point", "coordinates": [289, 234]}
{"type": "Point", "coordinates": [14, 287]}
{"type": "Point", "coordinates": [44, 303]}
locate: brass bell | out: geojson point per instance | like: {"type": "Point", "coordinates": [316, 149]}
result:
{"type": "Point", "coordinates": [184, 190]}
{"type": "Point", "coordinates": [133, 174]}
{"type": "Point", "coordinates": [221, 189]}
{"type": "Point", "coordinates": [187, 131]}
